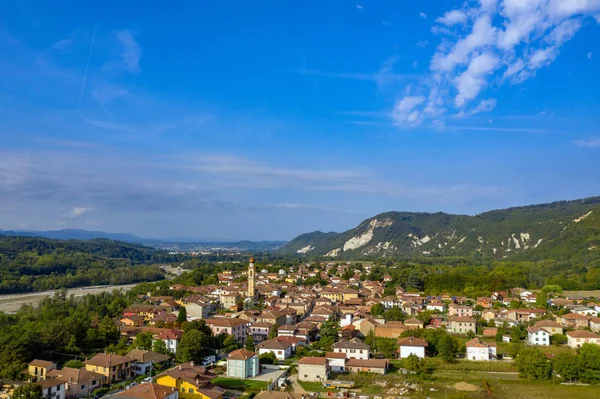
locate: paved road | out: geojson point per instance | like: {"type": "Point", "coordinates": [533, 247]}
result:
{"type": "Point", "coordinates": [10, 303]}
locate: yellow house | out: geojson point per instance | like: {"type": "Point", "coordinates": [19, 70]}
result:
{"type": "Point", "coordinates": [38, 369]}
{"type": "Point", "coordinates": [333, 294]}
{"type": "Point", "coordinates": [113, 368]}
{"type": "Point", "coordinates": [349, 294]}
{"type": "Point", "coordinates": [192, 382]}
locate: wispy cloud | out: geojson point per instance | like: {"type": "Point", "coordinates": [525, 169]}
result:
{"type": "Point", "coordinates": [374, 77]}
{"type": "Point", "coordinates": [423, 15]}
{"type": "Point", "coordinates": [129, 53]}
{"type": "Point", "coordinates": [109, 125]}
{"type": "Point", "coordinates": [593, 142]}
{"type": "Point", "coordinates": [359, 7]}
{"type": "Point", "coordinates": [79, 211]}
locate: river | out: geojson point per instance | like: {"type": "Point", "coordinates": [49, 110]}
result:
{"type": "Point", "coordinates": [10, 303]}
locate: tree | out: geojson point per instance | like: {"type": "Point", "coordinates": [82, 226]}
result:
{"type": "Point", "coordinates": [370, 339]}
{"type": "Point", "coordinates": [393, 314]}
{"type": "Point", "coordinates": [249, 343]}
{"type": "Point", "coordinates": [589, 361]}
{"type": "Point", "coordinates": [567, 367]}
{"type": "Point", "coordinates": [159, 346]}
{"type": "Point", "coordinates": [273, 332]}
{"type": "Point", "coordinates": [182, 315]}
{"type": "Point", "coordinates": [267, 358]}
{"type": "Point", "coordinates": [447, 348]}
{"type": "Point", "coordinates": [230, 344]}
{"type": "Point", "coordinates": [554, 289]}
{"type": "Point", "coordinates": [541, 300]}
{"type": "Point", "coordinates": [532, 363]}
{"type": "Point", "coordinates": [191, 347]}
{"type": "Point", "coordinates": [143, 341]}
{"type": "Point", "coordinates": [558, 339]}
{"type": "Point", "coordinates": [330, 329]}
{"type": "Point", "coordinates": [28, 391]}
{"type": "Point", "coordinates": [377, 309]}
{"type": "Point", "coordinates": [412, 363]}
{"type": "Point", "coordinates": [74, 364]}
{"type": "Point", "coordinates": [385, 347]}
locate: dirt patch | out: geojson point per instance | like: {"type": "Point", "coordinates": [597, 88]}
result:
{"type": "Point", "coordinates": [465, 386]}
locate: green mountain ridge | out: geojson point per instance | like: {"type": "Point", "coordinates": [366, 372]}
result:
{"type": "Point", "coordinates": [532, 232]}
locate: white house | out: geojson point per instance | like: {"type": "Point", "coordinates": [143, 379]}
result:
{"type": "Point", "coordinates": [538, 336]}
{"type": "Point", "coordinates": [171, 339]}
{"type": "Point", "coordinates": [336, 361]}
{"type": "Point", "coordinates": [53, 388]}
{"type": "Point", "coordinates": [346, 320]}
{"type": "Point", "coordinates": [436, 305]}
{"type": "Point", "coordinates": [312, 369]}
{"type": "Point", "coordinates": [585, 311]}
{"type": "Point", "coordinates": [353, 349]}
{"type": "Point", "coordinates": [411, 346]}
{"type": "Point", "coordinates": [477, 350]}
{"type": "Point", "coordinates": [282, 350]}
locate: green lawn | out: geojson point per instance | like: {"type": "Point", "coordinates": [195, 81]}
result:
{"type": "Point", "coordinates": [240, 385]}
{"type": "Point", "coordinates": [312, 386]}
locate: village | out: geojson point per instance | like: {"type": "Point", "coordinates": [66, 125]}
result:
{"type": "Point", "coordinates": [289, 340]}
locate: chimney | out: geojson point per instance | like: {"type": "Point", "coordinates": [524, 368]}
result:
{"type": "Point", "coordinates": [192, 363]}
{"type": "Point", "coordinates": [180, 368]}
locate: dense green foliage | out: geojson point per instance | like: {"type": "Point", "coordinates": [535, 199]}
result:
{"type": "Point", "coordinates": [59, 328]}
{"type": "Point", "coordinates": [532, 363]}
{"type": "Point", "coordinates": [38, 264]}
{"type": "Point", "coordinates": [28, 391]}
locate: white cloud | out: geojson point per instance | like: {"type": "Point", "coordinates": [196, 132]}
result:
{"type": "Point", "coordinates": [405, 112]}
{"type": "Point", "coordinates": [79, 211]}
{"type": "Point", "coordinates": [593, 142]}
{"type": "Point", "coordinates": [473, 80]}
{"type": "Point", "coordinates": [452, 18]}
{"type": "Point", "coordinates": [589, 55]}
{"type": "Point", "coordinates": [385, 23]}
{"type": "Point", "coordinates": [484, 106]}
{"type": "Point", "coordinates": [493, 43]}
{"type": "Point", "coordinates": [483, 34]}
{"type": "Point", "coordinates": [423, 15]}
{"type": "Point", "coordinates": [130, 51]}
{"type": "Point", "coordinates": [359, 7]}
{"type": "Point", "coordinates": [422, 43]}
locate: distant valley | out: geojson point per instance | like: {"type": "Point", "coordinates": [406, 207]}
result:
{"type": "Point", "coordinates": [175, 245]}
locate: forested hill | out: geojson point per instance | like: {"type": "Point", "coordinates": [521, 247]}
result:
{"type": "Point", "coordinates": [38, 264]}
{"type": "Point", "coordinates": [559, 230]}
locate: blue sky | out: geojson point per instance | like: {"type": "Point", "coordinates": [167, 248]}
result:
{"type": "Point", "coordinates": [264, 120]}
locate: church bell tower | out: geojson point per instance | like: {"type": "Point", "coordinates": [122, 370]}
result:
{"type": "Point", "coordinates": [251, 275]}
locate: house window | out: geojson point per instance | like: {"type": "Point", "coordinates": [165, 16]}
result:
{"type": "Point", "coordinates": [82, 387]}
{"type": "Point", "coordinates": [191, 390]}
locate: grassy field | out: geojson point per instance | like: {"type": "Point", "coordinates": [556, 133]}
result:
{"type": "Point", "coordinates": [240, 385]}
{"type": "Point", "coordinates": [312, 386]}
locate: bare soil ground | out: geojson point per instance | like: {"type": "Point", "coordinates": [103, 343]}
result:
{"type": "Point", "coordinates": [465, 386]}
{"type": "Point", "coordinates": [12, 302]}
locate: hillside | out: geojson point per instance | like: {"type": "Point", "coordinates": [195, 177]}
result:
{"type": "Point", "coordinates": [39, 264]}
{"type": "Point", "coordinates": [532, 232]}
